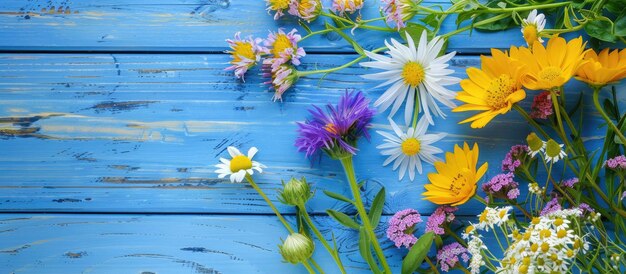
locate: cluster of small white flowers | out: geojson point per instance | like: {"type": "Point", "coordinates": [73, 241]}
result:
{"type": "Point", "coordinates": [615, 259]}
{"type": "Point", "coordinates": [594, 217]}
{"type": "Point", "coordinates": [491, 217]}
{"type": "Point", "coordinates": [534, 188]}
{"type": "Point", "coordinates": [548, 244]}
{"type": "Point", "coordinates": [475, 247]}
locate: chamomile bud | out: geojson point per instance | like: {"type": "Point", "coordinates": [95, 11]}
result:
{"type": "Point", "coordinates": [554, 151]}
{"type": "Point", "coordinates": [535, 144]}
{"type": "Point", "coordinates": [295, 192]}
{"type": "Point", "coordinates": [296, 248]}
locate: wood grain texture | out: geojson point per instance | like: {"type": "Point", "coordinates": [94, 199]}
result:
{"type": "Point", "coordinates": [165, 244]}
{"type": "Point", "coordinates": [184, 25]}
{"type": "Point", "coordinates": [141, 133]}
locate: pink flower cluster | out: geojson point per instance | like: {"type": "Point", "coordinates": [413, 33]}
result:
{"type": "Point", "coordinates": [448, 255]}
{"type": "Point", "coordinates": [402, 226]}
{"type": "Point", "coordinates": [569, 183]}
{"type": "Point", "coordinates": [502, 186]}
{"type": "Point", "coordinates": [513, 159]}
{"type": "Point", "coordinates": [552, 206]}
{"type": "Point", "coordinates": [618, 162]}
{"type": "Point", "coordinates": [542, 106]}
{"type": "Point", "coordinates": [443, 214]}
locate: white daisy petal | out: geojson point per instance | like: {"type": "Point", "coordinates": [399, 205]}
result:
{"type": "Point", "coordinates": [252, 151]}
{"type": "Point", "coordinates": [233, 151]}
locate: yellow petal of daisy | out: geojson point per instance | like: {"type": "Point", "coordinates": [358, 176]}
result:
{"type": "Point", "coordinates": [601, 69]}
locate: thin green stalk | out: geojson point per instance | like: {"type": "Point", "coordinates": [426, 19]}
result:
{"type": "Point", "coordinates": [432, 266]}
{"type": "Point", "coordinates": [456, 237]}
{"type": "Point", "coordinates": [483, 22]}
{"type": "Point", "coordinates": [333, 253]}
{"type": "Point", "coordinates": [596, 103]}
{"type": "Point", "coordinates": [308, 267]}
{"type": "Point", "coordinates": [416, 109]}
{"type": "Point", "coordinates": [269, 202]}
{"type": "Point", "coordinates": [361, 57]}
{"type": "Point", "coordinates": [349, 169]}
{"type": "Point", "coordinates": [317, 266]}
{"type": "Point", "coordinates": [340, 18]}
{"type": "Point", "coordinates": [559, 121]}
{"type": "Point", "coordinates": [531, 121]}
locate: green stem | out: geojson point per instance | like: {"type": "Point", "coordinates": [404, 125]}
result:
{"type": "Point", "coordinates": [317, 266]}
{"type": "Point", "coordinates": [343, 19]}
{"type": "Point", "coordinates": [349, 169]}
{"type": "Point", "coordinates": [531, 121]}
{"type": "Point", "coordinates": [269, 202]}
{"type": "Point", "coordinates": [308, 267]}
{"type": "Point", "coordinates": [596, 103]}
{"type": "Point", "coordinates": [559, 121]}
{"type": "Point", "coordinates": [361, 57]}
{"type": "Point", "coordinates": [432, 266]}
{"type": "Point", "coordinates": [483, 22]}
{"type": "Point", "coordinates": [333, 253]}
{"type": "Point", "coordinates": [456, 237]}
{"type": "Point", "coordinates": [416, 108]}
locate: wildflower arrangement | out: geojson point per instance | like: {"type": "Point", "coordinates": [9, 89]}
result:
{"type": "Point", "coordinates": [552, 206]}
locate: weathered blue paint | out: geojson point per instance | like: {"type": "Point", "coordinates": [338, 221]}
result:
{"type": "Point", "coordinates": [134, 134]}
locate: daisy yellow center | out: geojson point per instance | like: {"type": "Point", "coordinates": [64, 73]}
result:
{"type": "Point", "coordinates": [549, 74]}
{"type": "Point", "coordinates": [281, 43]}
{"type": "Point", "coordinates": [483, 216]}
{"type": "Point", "coordinates": [331, 128]}
{"type": "Point", "coordinates": [242, 49]}
{"type": "Point", "coordinates": [279, 4]}
{"type": "Point", "coordinates": [530, 33]}
{"type": "Point", "coordinates": [413, 73]}
{"type": "Point", "coordinates": [305, 6]}
{"type": "Point", "coordinates": [499, 90]}
{"type": "Point", "coordinates": [410, 146]}
{"type": "Point", "coordinates": [240, 162]}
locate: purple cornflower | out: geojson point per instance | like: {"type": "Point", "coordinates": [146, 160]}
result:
{"type": "Point", "coordinates": [502, 186]}
{"type": "Point", "coordinates": [443, 214]}
{"type": "Point", "coordinates": [337, 130]}
{"type": "Point", "coordinates": [618, 162]}
{"type": "Point", "coordinates": [552, 206]}
{"type": "Point", "coordinates": [514, 158]}
{"type": "Point", "coordinates": [402, 226]}
{"type": "Point", "coordinates": [542, 106]}
{"type": "Point", "coordinates": [448, 255]}
{"type": "Point", "coordinates": [570, 182]}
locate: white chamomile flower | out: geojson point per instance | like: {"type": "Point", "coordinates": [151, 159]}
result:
{"type": "Point", "coordinates": [532, 27]}
{"type": "Point", "coordinates": [408, 150]}
{"type": "Point", "coordinates": [413, 71]}
{"type": "Point", "coordinates": [535, 144]}
{"type": "Point", "coordinates": [239, 165]}
{"type": "Point", "coordinates": [554, 151]}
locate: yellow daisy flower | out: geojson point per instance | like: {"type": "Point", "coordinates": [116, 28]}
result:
{"type": "Point", "coordinates": [493, 89]}
{"type": "Point", "coordinates": [552, 66]}
{"type": "Point", "coordinates": [603, 68]}
{"type": "Point", "coordinates": [455, 181]}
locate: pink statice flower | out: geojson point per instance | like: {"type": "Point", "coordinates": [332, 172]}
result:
{"type": "Point", "coordinates": [398, 11]}
{"type": "Point", "coordinates": [245, 53]}
{"type": "Point", "coordinates": [280, 80]}
{"type": "Point", "coordinates": [402, 226]}
{"type": "Point", "coordinates": [569, 183]}
{"type": "Point", "coordinates": [502, 186]}
{"type": "Point", "coordinates": [307, 10]}
{"type": "Point", "coordinates": [448, 256]}
{"type": "Point", "coordinates": [542, 106]}
{"type": "Point", "coordinates": [343, 6]}
{"type": "Point", "coordinates": [514, 157]}
{"type": "Point", "coordinates": [585, 209]}
{"type": "Point", "coordinates": [616, 163]}
{"type": "Point", "coordinates": [443, 214]}
{"type": "Point", "coordinates": [283, 47]}
{"type": "Point", "coordinates": [552, 206]}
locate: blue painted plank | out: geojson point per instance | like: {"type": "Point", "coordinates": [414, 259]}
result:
{"type": "Point", "coordinates": [140, 133]}
{"type": "Point", "coordinates": [184, 25]}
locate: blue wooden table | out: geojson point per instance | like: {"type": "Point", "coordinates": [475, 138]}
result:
{"type": "Point", "coordinates": [113, 113]}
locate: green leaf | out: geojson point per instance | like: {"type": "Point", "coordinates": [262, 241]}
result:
{"type": "Point", "coordinates": [615, 6]}
{"type": "Point", "coordinates": [609, 108]}
{"type": "Point", "coordinates": [620, 25]}
{"type": "Point", "coordinates": [338, 196]}
{"type": "Point", "coordinates": [366, 251]}
{"type": "Point", "coordinates": [304, 26]}
{"type": "Point", "coordinates": [601, 28]}
{"type": "Point", "coordinates": [343, 219]}
{"type": "Point", "coordinates": [431, 20]}
{"type": "Point", "coordinates": [417, 254]}
{"type": "Point", "coordinates": [415, 30]}
{"type": "Point", "coordinates": [377, 207]}
{"type": "Point", "coordinates": [501, 24]}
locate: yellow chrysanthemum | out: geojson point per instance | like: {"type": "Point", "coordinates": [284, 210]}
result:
{"type": "Point", "coordinates": [603, 68]}
{"type": "Point", "coordinates": [454, 183]}
{"type": "Point", "coordinates": [493, 89]}
{"type": "Point", "coordinates": [552, 66]}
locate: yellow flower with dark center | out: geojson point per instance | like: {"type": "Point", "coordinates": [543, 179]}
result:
{"type": "Point", "coordinates": [552, 66]}
{"type": "Point", "coordinates": [493, 89]}
{"type": "Point", "coordinates": [603, 68]}
{"type": "Point", "coordinates": [455, 181]}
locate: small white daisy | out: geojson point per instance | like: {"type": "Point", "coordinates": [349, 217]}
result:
{"type": "Point", "coordinates": [239, 165]}
{"type": "Point", "coordinates": [554, 151]}
{"type": "Point", "coordinates": [535, 144]}
{"type": "Point", "coordinates": [532, 27]}
{"type": "Point", "coordinates": [414, 71]}
{"type": "Point", "coordinates": [409, 149]}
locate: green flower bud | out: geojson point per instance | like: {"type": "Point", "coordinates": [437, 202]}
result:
{"type": "Point", "coordinates": [296, 248]}
{"type": "Point", "coordinates": [295, 192]}
{"type": "Point", "coordinates": [535, 144]}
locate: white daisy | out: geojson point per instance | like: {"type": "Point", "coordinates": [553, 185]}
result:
{"type": "Point", "coordinates": [239, 165]}
{"type": "Point", "coordinates": [535, 144]}
{"type": "Point", "coordinates": [410, 70]}
{"type": "Point", "coordinates": [554, 151]}
{"type": "Point", "coordinates": [532, 27]}
{"type": "Point", "coordinates": [409, 149]}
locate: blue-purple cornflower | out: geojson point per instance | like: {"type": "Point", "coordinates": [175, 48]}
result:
{"type": "Point", "coordinates": [337, 130]}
